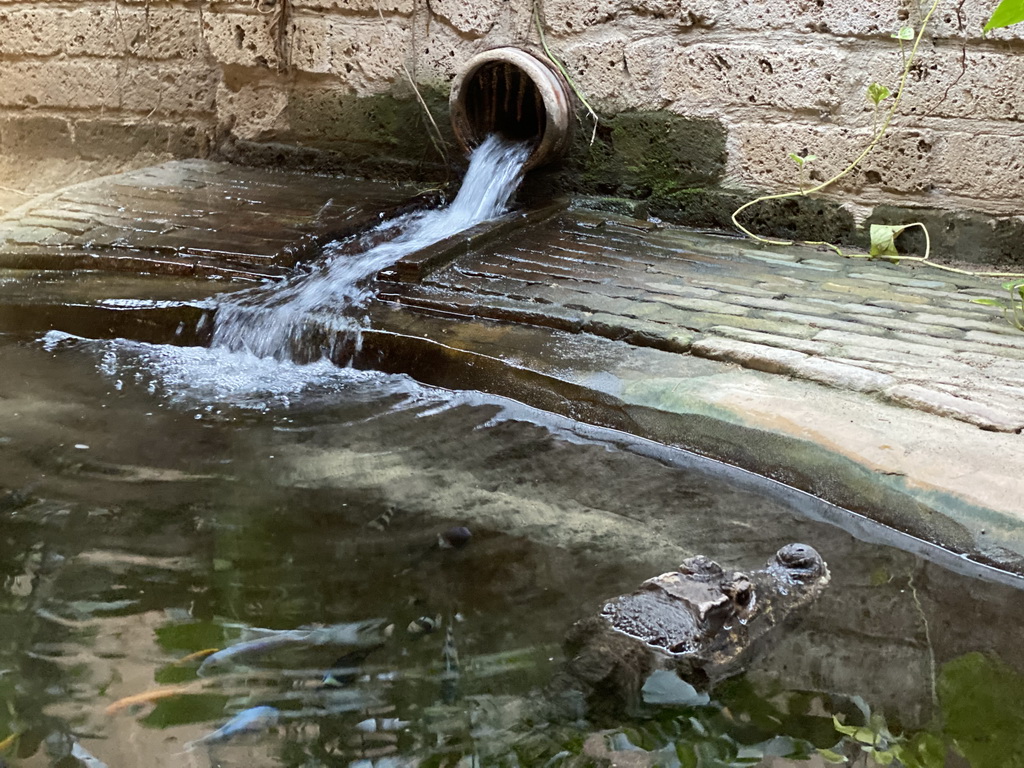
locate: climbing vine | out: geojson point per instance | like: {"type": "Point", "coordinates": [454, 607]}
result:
{"type": "Point", "coordinates": [538, 19]}
{"type": "Point", "coordinates": [876, 94]}
{"type": "Point", "coordinates": [882, 237]}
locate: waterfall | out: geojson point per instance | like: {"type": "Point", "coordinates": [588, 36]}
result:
{"type": "Point", "coordinates": [275, 321]}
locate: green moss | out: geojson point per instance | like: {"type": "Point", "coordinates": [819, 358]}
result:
{"type": "Point", "coordinates": [390, 123]}
{"type": "Point", "coordinates": [963, 235]}
{"type": "Point", "coordinates": [646, 155]}
{"type": "Point", "coordinates": [385, 136]}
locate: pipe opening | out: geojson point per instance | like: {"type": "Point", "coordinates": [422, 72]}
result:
{"type": "Point", "coordinates": [512, 93]}
{"type": "Point", "coordinates": [502, 99]}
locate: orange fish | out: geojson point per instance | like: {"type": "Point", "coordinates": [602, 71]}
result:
{"type": "Point", "coordinates": [145, 698]}
{"type": "Point", "coordinates": [197, 656]}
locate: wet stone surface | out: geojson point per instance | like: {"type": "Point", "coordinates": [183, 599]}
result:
{"type": "Point", "coordinates": [195, 218]}
{"type": "Point", "coordinates": [902, 334]}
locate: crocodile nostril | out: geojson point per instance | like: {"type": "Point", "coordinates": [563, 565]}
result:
{"type": "Point", "coordinates": [800, 560]}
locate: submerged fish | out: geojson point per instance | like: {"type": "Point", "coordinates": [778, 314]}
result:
{"type": "Point", "coordinates": [345, 669]}
{"type": "Point", "coordinates": [382, 521]}
{"type": "Point", "coordinates": [197, 656]}
{"type": "Point", "coordinates": [449, 652]}
{"type": "Point", "coordinates": [85, 757]}
{"type": "Point", "coordinates": [360, 634]}
{"type": "Point", "coordinates": [62, 747]}
{"type": "Point", "coordinates": [450, 675]}
{"type": "Point", "coordinates": [424, 625]}
{"type": "Point", "coordinates": [145, 698]}
{"type": "Point", "coordinates": [454, 538]}
{"type": "Point", "coordinates": [252, 720]}
{"type": "Point", "coordinates": [382, 724]}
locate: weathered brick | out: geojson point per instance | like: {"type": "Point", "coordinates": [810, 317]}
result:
{"type": "Point", "coordinates": [137, 86]}
{"type": "Point", "coordinates": [102, 138]}
{"type": "Point", "coordinates": [873, 17]}
{"type": "Point", "coordinates": [808, 347]}
{"type": "Point", "coordinates": [842, 375]}
{"type": "Point", "coordinates": [757, 356]}
{"type": "Point", "coordinates": [256, 112]}
{"type": "Point", "coordinates": [367, 54]}
{"type": "Point", "coordinates": [248, 39]}
{"type": "Point", "coordinates": [573, 17]}
{"type": "Point", "coordinates": [982, 86]}
{"type": "Point", "coordinates": [787, 78]}
{"type": "Point", "coordinates": [357, 6]}
{"type": "Point", "coordinates": [599, 68]}
{"type": "Point", "coordinates": [895, 346]}
{"type": "Point", "coordinates": [965, 20]}
{"type": "Point", "coordinates": [23, 134]}
{"type": "Point", "coordinates": [869, 19]}
{"type": "Point", "coordinates": [999, 339]}
{"type": "Point", "coordinates": [476, 18]}
{"type": "Point", "coordinates": [101, 30]}
{"type": "Point", "coordinates": [944, 404]}
{"type": "Point", "coordinates": [440, 51]}
{"type": "Point", "coordinates": [905, 161]}
{"type": "Point", "coordinates": [987, 167]}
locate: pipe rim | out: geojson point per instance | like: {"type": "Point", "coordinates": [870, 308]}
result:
{"type": "Point", "coordinates": [552, 88]}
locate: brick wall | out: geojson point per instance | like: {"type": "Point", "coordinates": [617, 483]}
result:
{"type": "Point", "coordinates": [321, 79]}
{"type": "Point", "coordinates": [103, 78]}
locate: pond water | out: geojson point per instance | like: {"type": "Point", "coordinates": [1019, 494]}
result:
{"type": "Point", "coordinates": [201, 538]}
{"type": "Point", "coordinates": [159, 502]}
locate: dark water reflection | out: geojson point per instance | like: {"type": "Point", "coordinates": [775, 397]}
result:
{"type": "Point", "coordinates": [158, 502]}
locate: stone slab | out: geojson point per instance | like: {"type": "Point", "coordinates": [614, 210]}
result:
{"type": "Point", "coordinates": [766, 312]}
{"type": "Point", "coordinates": [194, 217]}
{"type": "Point", "coordinates": [920, 472]}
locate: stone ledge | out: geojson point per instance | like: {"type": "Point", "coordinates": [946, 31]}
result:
{"type": "Point", "coordinates": [937, 479]}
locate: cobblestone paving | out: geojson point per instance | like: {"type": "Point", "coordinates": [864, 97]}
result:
{"type": "Point", "coordinates": [192, 217]}
{"type": "Point", "coordinates": [908, 335]}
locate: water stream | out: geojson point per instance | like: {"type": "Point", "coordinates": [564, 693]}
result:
{"type": "Point", "coordinates": [272, 321]}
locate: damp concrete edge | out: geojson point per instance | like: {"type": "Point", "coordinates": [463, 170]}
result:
{"type": "Point", "coordinates": [820, 445]}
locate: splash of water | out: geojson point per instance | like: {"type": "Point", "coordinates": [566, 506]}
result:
{"type": "Point", "coordinates": [278, 321]}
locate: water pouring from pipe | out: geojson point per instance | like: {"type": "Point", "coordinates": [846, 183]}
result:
{"type": "Point", "coordinates": [276, 321]}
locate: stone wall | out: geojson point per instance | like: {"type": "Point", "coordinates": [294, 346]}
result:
{"type": "Point", "coordinates": [701, 101]}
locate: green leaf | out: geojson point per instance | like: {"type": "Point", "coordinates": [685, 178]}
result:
{"type": "Point", "coordinates": [877, 93]}
{"type": "Point", "coordinates": [796, 159]}
{"type": "Point", "coordinates": [857, 732]}
{"type": "Point", "coordinates": [846, 730]}
{"type": "Point", "coordinates": [989, 302]}
{"type": "Point", "coordinates": [883, 237]}
{"type": "Point", "coordinates": [833, 758]}
{"type": "Point", "coordinates": [1006, 13]}
{"type": "Point", "coordinates": [883, 758]}
{"type": "Point", "coordinates": [904, 33]}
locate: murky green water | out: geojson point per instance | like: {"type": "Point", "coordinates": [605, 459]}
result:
{"type": "Point", "coordinates": [156, 502]}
